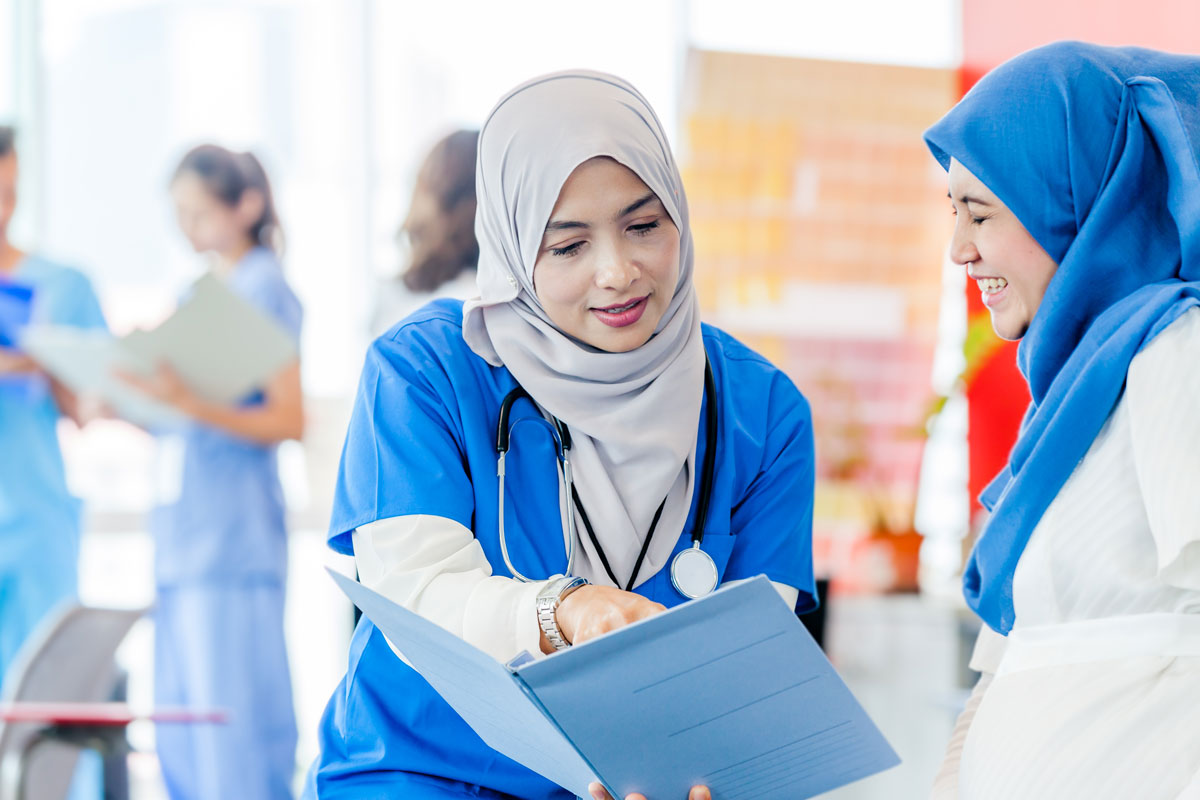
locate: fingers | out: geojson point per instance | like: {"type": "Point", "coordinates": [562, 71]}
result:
{"type": "Point", "coordinates": [648, 609]}
{"type": "Point", "coordinates": [136, 381]}
{"type": "Point", "coordinates": [164, 384]}
{"type": "Point", "coordinates": [597, 791]}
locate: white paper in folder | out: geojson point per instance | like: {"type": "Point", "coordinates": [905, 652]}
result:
{"type": "Point", "coordinates": [220, 345]}
{"type": "Point", "coordinates": [83, 361]}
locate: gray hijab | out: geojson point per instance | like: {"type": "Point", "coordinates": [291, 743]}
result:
{"type": "Point", "coordinates": [633, 416]}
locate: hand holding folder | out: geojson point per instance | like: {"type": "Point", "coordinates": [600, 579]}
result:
{"type": "Point", "coordinates": [728, 691]}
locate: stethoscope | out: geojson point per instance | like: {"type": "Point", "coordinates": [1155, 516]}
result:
{"type": "Point", "coordinates": [693, 572]}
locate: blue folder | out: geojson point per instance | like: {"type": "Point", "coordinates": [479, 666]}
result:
{"type": "Point", "coordinates": [16, 306]}
{"type": "Point", "coordinates": [729, 691]}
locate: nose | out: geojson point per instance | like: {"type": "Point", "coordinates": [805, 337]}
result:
{"type": "Point", "coordinates": [618, 270]}
{"type": "Point", "coordinates": [962, 246]}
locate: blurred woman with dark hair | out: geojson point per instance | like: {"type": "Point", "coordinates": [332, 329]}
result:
{"type": "Point", "coordinates": [438, 233]}
{"type": "Point", "coordinates": [220, 537]}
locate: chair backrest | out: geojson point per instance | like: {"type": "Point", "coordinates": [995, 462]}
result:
{"type": "Point", "coordinates": [68, 659]}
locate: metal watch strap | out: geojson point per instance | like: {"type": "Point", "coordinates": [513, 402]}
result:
{"type": "Point", "coordinates": [547, 604]}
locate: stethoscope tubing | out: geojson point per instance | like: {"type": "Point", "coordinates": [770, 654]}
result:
{"type": "Point", "coordinates": [562, 440]}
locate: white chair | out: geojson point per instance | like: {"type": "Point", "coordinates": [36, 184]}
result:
{"type": "Point", "coordinates": [69, 659]}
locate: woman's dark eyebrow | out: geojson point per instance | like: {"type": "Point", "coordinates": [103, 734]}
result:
{"type": "Point", "coordinates": [564, 225]}
{"type": "Point", "coordinates": [634, 206]}
{"type": "Point", "coordinates": [966, 198]}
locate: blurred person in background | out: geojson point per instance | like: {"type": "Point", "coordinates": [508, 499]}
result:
{"type": "Point", "coordinates": [39, 518]}
{"type": "Point", "coordinates": [1073, 177]}
{"type": "Point", "coordinates": [220, 533]}
{"type": "Point", "coordinates": [438, 235]}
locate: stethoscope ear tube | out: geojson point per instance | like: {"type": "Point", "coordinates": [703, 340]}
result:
{"type": "Point", "coordinates": [502, 429]}
{"type": "Point", "coordinates": [710, 455]}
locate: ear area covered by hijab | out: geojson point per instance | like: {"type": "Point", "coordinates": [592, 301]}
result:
{"type": "Point", "coordinates": [633, 416]}
{"type": "Point", "coordinates": [1095, 150]}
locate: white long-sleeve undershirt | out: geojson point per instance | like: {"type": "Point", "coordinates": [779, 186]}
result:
{"type": "Point", "coordinates": [435, 567]}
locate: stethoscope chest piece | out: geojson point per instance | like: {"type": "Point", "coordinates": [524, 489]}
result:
{"type": "Point", "coordinates": [693, 572]}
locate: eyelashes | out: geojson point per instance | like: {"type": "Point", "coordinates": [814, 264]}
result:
{"type": "Point", "coordinates": [974, 220]}
{"type": "Point", "coordinates": [572, 249]}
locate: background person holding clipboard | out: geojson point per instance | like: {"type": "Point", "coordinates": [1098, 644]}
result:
{"type": "Point", "coordinates": [39, 518]}
{"type": "Point", "coordinates": [527, 468]}
{"type": "Point", "coordinates": [220, 535]}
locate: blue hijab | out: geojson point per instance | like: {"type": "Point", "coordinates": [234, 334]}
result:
{"type": "Point", "coordinates": [1095, 151]}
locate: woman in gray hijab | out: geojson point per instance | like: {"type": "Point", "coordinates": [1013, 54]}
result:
{"type": "Point", "coordinates": [684, 460]}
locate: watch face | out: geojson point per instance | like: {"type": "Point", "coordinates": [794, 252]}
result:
{"type": "Point", "coordinates": [551, 590]}
{"type": "Point", "coordinates": [555, 589]}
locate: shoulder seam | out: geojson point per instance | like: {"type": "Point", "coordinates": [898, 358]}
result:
{"type": "Point", "coordinates": [438, 316]}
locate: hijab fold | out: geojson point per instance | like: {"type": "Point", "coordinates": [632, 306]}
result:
{"type": "Point", "coordinates": [1095, 151]}
{"type": "Point", "coordinates": [633, 416]}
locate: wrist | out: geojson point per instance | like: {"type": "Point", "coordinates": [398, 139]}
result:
{"type": "Point", "coordinates": [548, 602]}
{"type": "Point", "coordinates": [190, 404]}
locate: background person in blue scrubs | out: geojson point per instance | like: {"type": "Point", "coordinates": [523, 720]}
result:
{"type": "Point", "coordinates": [220, 535]}
{"type": "Point", "coordinates": [587, 301]}
{"type": "Point", "coordinates": [39, 519]}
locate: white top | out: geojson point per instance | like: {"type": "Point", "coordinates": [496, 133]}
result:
{"type": "Point", "coordinates": [1123, 534]}
{"type": "Point", "coordinates": [436, 567]}
{"type": "Point", "coordinates": [1103, 661]}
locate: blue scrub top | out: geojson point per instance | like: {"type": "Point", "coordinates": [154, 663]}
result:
{"type": "Point", "coordinates": [36, 510]}
{"type": "Point", "coordinates": [422, 440]}
{"type": "Point", "coordinates": [227, 524]}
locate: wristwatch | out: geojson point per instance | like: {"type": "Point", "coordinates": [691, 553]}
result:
{"type": "Point", "coordinates": [547, 604]}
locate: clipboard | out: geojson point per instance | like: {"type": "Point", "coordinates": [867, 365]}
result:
{"type": "Point", "coordinates": [223, 347]}
{"type": "Point", "coordinates": [729, 691]}
{"type": "Point", "coordinates": [16, 308]}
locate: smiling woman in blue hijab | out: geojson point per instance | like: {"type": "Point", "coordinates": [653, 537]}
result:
{"type": "Point", "coordinates": [1073, 176]}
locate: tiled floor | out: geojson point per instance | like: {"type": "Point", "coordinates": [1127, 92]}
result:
{"type": "Point", "coordinates": [901, 656]}
{"type": "Point", "coordinates": [116, 571]}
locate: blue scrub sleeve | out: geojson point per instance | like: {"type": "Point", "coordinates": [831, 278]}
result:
{"type": "Point", "coordinates": [270, 294]}
{"type": "Point", "coordinates": [74, 302]}
{"type": "Point", "coordinates": [773, 522]}
{"type": "Point", "coordinates": [402, 454]}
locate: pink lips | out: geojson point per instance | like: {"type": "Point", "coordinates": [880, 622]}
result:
{"type": "Point", "coordinates": [633, 310]}
{"type": "Point", "coordinates": [990, 300]}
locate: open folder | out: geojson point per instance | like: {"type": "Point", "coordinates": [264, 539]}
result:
{"type": "Point", "coordinates": [220, 345]}
{"type": "Point", "coordinates": [729, 691]}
